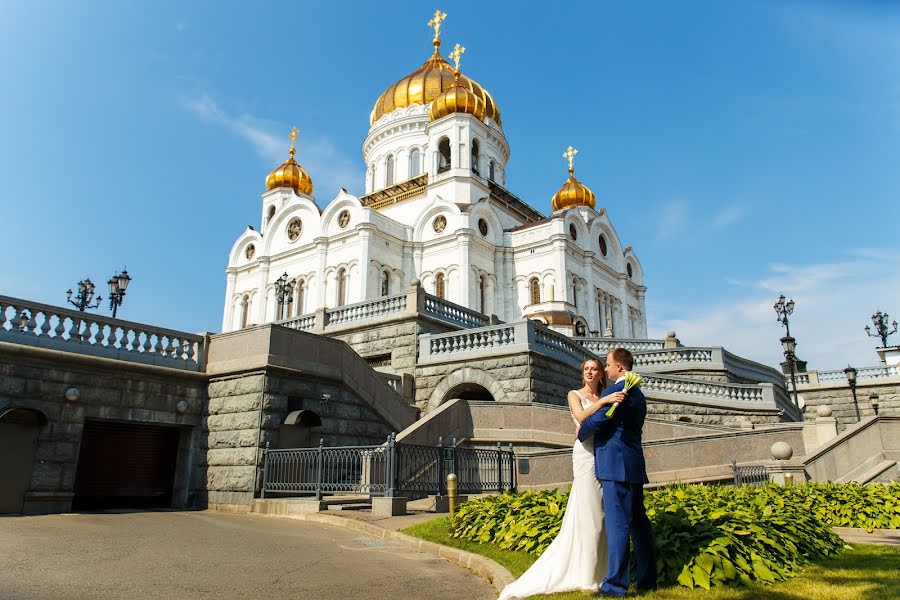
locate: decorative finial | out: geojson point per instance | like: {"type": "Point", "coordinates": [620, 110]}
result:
{"type": "Point", "coordinates": [293, 136]}
{"type": "Point", "coordinates": [435, 23]}
{"type": "Point", "coordinates": [570, 155]}
{"type": "Point", "coordinates": [457, 53]}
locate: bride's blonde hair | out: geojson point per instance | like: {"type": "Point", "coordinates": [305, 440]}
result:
{"type": "Point", "coordinates": [602, 372]}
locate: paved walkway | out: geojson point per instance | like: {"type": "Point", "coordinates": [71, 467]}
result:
{"type": "Point", "coordinates": [881, 537]}
{"type": "Point", "coordinates": [211, 555]}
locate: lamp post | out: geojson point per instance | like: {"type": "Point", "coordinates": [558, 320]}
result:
{"type": "Point", "coordinates": [850, 372]}
{"type": "Point", "coordinates": [117, 285]}
{"type": "Point", "coordinates": [784, 310]}
{"type": "Point", "coordinates": [873, 400]}
{"type": "Point", "coordinates": [84, 296]}
{"type": "Point", "coordinates": [284, 295]}
{"type": "Point", "coordinates": [881, 327]}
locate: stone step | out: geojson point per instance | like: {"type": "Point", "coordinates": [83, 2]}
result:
{"type": "Point", "coordinates": [878, 470]}
{"type": "Point", "coordinates": [351, 506]}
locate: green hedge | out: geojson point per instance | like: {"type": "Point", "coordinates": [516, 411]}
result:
{"type": "Point", "coordinates": [705, 536]}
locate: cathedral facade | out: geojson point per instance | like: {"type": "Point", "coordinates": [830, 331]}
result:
{"type": "Point", "coordinates": [436, 209]}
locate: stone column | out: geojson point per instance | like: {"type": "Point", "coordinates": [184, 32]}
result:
{"type": "Point", "coordinates": [228, 317]}
{"type": "Point", "coordinates": [322, 253]}
{"type": "Point", "coordinates": [511, 306]}
{"type": "Point", "coordinates": [562, 285]}
{"type": "Point", "coordinates": [262, 293]}
{"type": "Point", "coordinates": [465, 271]}
{"type": "Point", "coordinates": [365, 249]}
{"type": "Point", "coordinates": [408, 266]}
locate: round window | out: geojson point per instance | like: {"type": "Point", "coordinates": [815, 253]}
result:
{"type": "Point", "coordinates": [603, 248]}
{"type": "Point", "coordinates": [573, 233]}
{"type": "Point", "coordinates": [295, 228]}
{"type": "Point", "coordinates": [439, 223]}
{"type": "Point", "coordinates": [482, 226]}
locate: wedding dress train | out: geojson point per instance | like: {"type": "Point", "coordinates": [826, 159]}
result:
{"type": "Point", "coordinates": [576, 559]}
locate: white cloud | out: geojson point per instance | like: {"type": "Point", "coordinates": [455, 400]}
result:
{"type": "Point", "coordinates": [834, 302]}
{"type": "Point", "coordinates": [728, 216]}
{"type": "Point", "coordinates": [672, 219]}
{"type": "Point", "coordinates": [329, 169]}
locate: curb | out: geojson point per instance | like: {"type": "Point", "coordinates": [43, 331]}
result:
{"type": "Point", "coordinates": [482, 566]}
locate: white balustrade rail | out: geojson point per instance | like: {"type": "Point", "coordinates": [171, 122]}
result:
{"type": "Point", "coordinates": [362, 311]}
{"type": "Point", "coordinates": [562, 344]}
{"type": "Point", "coordinates": [485, 340]}
{"type": "Point", "coordinates": [302, 323]}
{"type": "Point", "coordinates": [732, 392]}
{"type": "Point", "coordinates": [602, 345]}
{"type": "Point", "coordinates": [834, 377]}
{"type": "Point", "coordinates": [455, 313]}
{"type": "Point", "coordinates": [673, 356]}
{"type": "Point", "coordinates": [709, 358]}
{"type": "Point", "coordinates": [44, 326]}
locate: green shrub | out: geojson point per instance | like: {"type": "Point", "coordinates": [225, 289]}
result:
{"type": "Point", "coordinates": [705, 536]}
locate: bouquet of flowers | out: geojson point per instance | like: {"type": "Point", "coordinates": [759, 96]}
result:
{"type": "Point", "coordinates": [632, 379]}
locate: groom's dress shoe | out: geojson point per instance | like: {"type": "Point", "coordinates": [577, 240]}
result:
{"type": "Point", "coordinates": [602, 594]}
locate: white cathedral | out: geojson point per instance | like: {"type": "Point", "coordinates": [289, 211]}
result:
{"type": "Point", "coordinates": [436, 209]}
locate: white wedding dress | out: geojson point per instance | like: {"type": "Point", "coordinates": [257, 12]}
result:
{"type": "Point", "coordinates": [576, 560]}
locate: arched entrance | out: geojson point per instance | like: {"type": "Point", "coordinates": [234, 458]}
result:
{"type": "Point", "coordinates": [467, 391]}
{"type": "Point", "coordinates": [19, 428]}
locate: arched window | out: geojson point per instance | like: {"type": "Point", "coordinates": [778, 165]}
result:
{"type": "Point", "coordinates": [341, 287]}
{"type": "Point", "coordinates": [301, 287]}
{"type": "Point", "coordinates": [482, 284]}
{"type": "Point", "coordinates": [389, 172]}
{"type": "Point", "coordinates": [385, 283]}
{"type": "Point", "coordinates": [575, 293]}
{"type": "Point", "coordinates": [245, 310]}
{"type": "Point", "coordinates": [443, 155]}
{"type": "Point", "coordinates": [271, 212]}
{"type": "Point", "coordinates": [475, 156]}
{"type": "Point", "coordinates": [439, 287]}
{"type": "Point", "coordinates": [630, 270]}
{"type": "Point", "coordinates": [491, 174]}
{"type": "Point", "coordinates": [535, 288]}
{"type": "Point", "coordinates": [415, 163]}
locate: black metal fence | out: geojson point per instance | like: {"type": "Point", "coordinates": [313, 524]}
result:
{"type": "Point", "coordinates": [753, 475]}
{"type": "Point", "coordinates": [391, 469]}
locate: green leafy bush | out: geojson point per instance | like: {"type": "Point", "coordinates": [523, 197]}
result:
{"type": "Point", "coordinates": [706, 536]}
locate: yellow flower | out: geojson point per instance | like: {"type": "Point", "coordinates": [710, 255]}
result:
{"type": "Point", "coordinates": [632, 379]}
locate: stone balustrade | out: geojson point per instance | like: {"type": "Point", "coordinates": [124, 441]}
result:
{"type": "Point", "coordinates": [301, 323]}
{"type": "Point", "coordinates": [40, 325]}
{"type": "Point", "coordinates": [674, 356]}
{"type": "Point", "coordinates": [362, 311]}
{"type": "Point", "coordinates": [481, 341]}
{"type": "Point", "coordinates": [730, 392]}
{"type": "Point", "coordinates": [708, 358]}
{"type": "Point", "coordinates": [602, 345]}
{"type": "Point", "coordinates": [837, 377]}
{"type": "Point", "coordinates": [455, 313]}
{"type": "Point", "coordinates": [557, 343]}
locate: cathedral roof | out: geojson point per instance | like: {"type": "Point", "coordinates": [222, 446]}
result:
{"type": "Point", "coordinates": [429, 81]}
{"type": "Point", "coordinates": [573, 192]}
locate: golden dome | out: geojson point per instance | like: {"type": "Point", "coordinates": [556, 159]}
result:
{"type": "Point", "coordinates": [289, 174]}
{"type": "Point", "coordinates": [427, 83]}
{"type": "Point", "coordinates": [572, 192]}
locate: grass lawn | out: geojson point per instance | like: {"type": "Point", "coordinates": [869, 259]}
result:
{"type": "Point", "coordinates": [864, 572]}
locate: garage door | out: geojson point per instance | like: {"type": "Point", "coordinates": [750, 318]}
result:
{"type": "Point", "coordinates": [125, 465]}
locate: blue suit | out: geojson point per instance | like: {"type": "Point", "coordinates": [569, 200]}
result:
{"type": "Point", "coordinates": [619, 465]}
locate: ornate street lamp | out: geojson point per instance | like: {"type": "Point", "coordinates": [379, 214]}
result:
{"type": "Point", "coordinates": [284, 295]}
{"type": "Point", "coordinates": [84, 296]}
{"type": "Point", "coordinates": [850, 372]}
{"type": "Point", "coordinates": [117, 285]}
{"type": "Point", "coordinates": [873, 400]}
{"type": "Point", "coordinates": [784, 310]}
{"type": "Point", "coordinates": [881, 327]}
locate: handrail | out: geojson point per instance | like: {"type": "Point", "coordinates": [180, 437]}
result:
{"type": "Point", "coordinates": [43, 325]}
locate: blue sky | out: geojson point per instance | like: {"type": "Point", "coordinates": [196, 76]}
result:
{"type": "Point", "coordinates": [743, 149]}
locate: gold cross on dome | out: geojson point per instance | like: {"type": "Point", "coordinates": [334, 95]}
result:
{"type": "Point", "coordinates": [457, 53]}
{"type": "Point", "coordinates": [570, 155]}
{"type": "Point", "coordinates": [435, 23]}
{"type": "Point", "coordinates": [293, 136]}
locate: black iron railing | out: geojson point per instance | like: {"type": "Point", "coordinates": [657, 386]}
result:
{"type": "Point", "coordinates": [753, 475]}
{"type": "Point", "coordinates": [388, 470]}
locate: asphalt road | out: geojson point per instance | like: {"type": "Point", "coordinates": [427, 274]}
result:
{"type": "Point", "coordinates": [199, 555]}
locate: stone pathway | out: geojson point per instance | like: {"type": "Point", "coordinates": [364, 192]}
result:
{"type": "Point", "coordinates": [211, 555]}
{"type": "Point", "coordinates": [881, 537]}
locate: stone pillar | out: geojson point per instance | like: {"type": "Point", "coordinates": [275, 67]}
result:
{"type": "Point", "coordinates": [365, 249]}
{"type": "Point", "coordinates": [228, 317]}
{"type": "Point", "coordinates": [671, 340]}
{"type": "Point", "coordinates": [826, 425]}
{"type": "Point", "coordinates": [562, 286]}
{"type": "Point", "coordinates": [322, 253]}
{"type": "Point", "coordinates": [409, 267]}
{"type": "Point", "coordinates": [465, 271]}
{"type": "Point", "coordinates": [511, 310]}
{"type": "Point", "coordinates": [262, 293]}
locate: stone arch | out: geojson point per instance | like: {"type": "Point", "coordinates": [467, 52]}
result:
{"type": "Point", "coordinates": [470, 376]}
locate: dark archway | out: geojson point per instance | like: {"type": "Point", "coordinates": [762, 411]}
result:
{"type": "Point", "coordinates": [468, 391]}
{"type": "Point", "coordinates": [19, 428]}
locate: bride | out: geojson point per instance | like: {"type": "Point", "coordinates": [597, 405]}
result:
{"type": "Point", "coordinates": [576, 559]}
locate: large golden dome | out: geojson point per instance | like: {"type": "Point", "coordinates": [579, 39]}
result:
{"type": "Point", "coordinates": [289, 174]}
{"type": "Point", "coordinates": [428, 82]}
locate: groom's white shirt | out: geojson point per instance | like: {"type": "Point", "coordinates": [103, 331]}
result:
{"type": "Point", "coordinates": [622, 378]}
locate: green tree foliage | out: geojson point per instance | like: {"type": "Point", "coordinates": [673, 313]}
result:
{"type": "Point", "coordinates": [705, 535]}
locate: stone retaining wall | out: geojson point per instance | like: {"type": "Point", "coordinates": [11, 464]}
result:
{"type": "Point", "coordinates": [840, 399]}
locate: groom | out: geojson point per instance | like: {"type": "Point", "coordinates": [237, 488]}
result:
{"type": "Point", "coordinates": [619, 465]}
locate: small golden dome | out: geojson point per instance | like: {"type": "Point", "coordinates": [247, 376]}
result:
{"type": "Point", "coordinates": [572, 192]}
{"type": "Point", "coordinates": [289, 174]}
{"type": "Point", "coordinates": [428, 82]}
{"type": "Point", "coordinates": [456, 100]}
